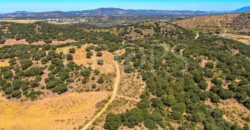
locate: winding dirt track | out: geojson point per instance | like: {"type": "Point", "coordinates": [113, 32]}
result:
{"type": "Point", "coordinates": [115, 89]}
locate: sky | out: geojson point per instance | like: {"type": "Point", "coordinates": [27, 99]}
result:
{"type": "Point", "coordinates": [7, 6]}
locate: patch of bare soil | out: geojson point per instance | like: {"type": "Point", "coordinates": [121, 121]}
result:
{"type": "Point", "coordinates": [21, 20]}
{"type": "Point", "coordinates": [79, 57]}
{"type": "Point", "coordinates": [62, 112]}
{"type": "Point", "coordinates": [211, 22]}
{"type": "Point", "coordinates": [241, 38]}
{"type": "Point", "coordinates": [4, 63]}
{"type": "Point", "coordinates": [234, 111]}
{"type": "Point", "coordinates": [132, 85]}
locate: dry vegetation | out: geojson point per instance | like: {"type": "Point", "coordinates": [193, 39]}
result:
{"type": "Point", "coordinates": [60, 112]}
{"type": "Point", "coordinates": [234, 111]}
{"type": "Point", "coordinates": [130, 89]}
{"type": "Point", "coordinates": [241, 38]}
{"type": "Point", "coordinates": [4, 63]}
{"type": "Point", "coordinates": [207, 22]}
{"type": "Point", "coordinates": [21, 20]}
{"type": "Point", "coordinates": [80, 59]}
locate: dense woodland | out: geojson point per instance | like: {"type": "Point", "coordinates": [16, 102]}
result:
{"type": "Point", "coordinates": [169, 60]}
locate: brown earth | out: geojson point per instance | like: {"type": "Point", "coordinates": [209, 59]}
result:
{"type": "Point", "coordinates": [61, 112]}
{"type": "Point", "coordinates": [21, 20]}
{"type": "Point", "coordinates": [79, 57]}
{"type": "Point", "coordinates": [4, 63]}
{"type": "Point", "coordinates": [211, 22]}
{"type": "Point", "coordinates": [234, 111]}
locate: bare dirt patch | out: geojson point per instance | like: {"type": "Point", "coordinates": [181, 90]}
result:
{"type": "Point", "coordinates": [79, 57]}
{"type": "Point", "coordinates": [241, 38]}
{"type": "Point", "coordinates": [207, 22]}
{"type": "Point", "coordinates": [132, 86]}
{"type": "Point", "coordinates": [61, 112]}
{"type": "Point", "coordinates": [4, 63]}
{"type": "Point", "coordinates": [21, 20]}
{"type": "Point", "coordinates": [234, 111]}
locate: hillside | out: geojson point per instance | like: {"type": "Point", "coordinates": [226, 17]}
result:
{"type": "Point", "coordinates": [229, 26]}
{"type": "Point", "coordinates": [226, 22]}
{"type": "Point", "coordinates": [241, 23]}
{"type": "Point", "coordinates": [149, 75]}
{"type": "Point", "coordinates": [102, 12]}
{"type": "Point", "coordinates": [40, 33]}
{"type": "Point", "coordinates": [243, 9]}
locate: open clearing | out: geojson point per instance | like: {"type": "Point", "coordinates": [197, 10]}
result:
{"type": "Point", "coordinates": [21, 20]}
{"type": "Point", "coordinates": [4, 63]}
{"type": "Point", "coordinates": [79, 57]}
{"type": "Point", "coordinates": [62, 112]}
{"type": "Point", "coordinates": [234, 111]}
{"type": "Point", "coordinates": [241, 38]}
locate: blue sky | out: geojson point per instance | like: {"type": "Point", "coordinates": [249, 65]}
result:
{"type": "Point", "coordinates": [69, 5]}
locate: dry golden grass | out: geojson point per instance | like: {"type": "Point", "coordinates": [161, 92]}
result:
{"type": "Point", "coordinates": [132, 85]}
{"type": "Point", "coordinates": [207, 22]}
{"type": "Point", "coordinates": [79, 57]}
{"type": "Point", "coordinates": [21, 20]}
{"type": "Point", "coordinates": [241, 38]}
{"type": "Point", "coordinates": [62, 112]}
{"type": "Point", "coordinates": [234, 111]}
{"type": "Point", "coordinates": [4, 63]}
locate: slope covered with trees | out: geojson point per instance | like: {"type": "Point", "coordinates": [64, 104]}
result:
{"type": "Point", "coordinates": [181, 73]}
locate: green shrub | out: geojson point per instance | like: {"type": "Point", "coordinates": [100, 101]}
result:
{"type": "Point", "coordinates": [176, 115]}
{"type": "Point", "coordinates": [60, 89]}
{"type": "Point", "coordinates": [100, 80]}
{"type": "Point", "coordinates": [113, 122]}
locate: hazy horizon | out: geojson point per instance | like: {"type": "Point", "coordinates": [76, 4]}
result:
{"type": "Point", "coordinates": [77, 5]}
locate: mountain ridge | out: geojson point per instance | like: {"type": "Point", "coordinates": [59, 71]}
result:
{"type": "Point", "coordinates": [116, 12]}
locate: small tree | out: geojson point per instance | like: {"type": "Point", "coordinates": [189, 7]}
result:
{"type": "Point", "coordinates": [100, 62]}
{"type": "Point", "coordinates": [113, 122]}
{"type": "Point", "coordinates": [60, 89]}
{"type": "Point", "coordinates": [89, 54]}
{"type": "Point", "coordinates": [2, 41]}
{"type": "Point", "coordinates": [247, 104]}
{"type": "Point", "coordinates": [99, 54]}
{"type": "Point", "coordinates": [69, 57]}
{"type": "Point", "coordinates": [72, 50]}
{"type": "Point", "coordinates": [177, 115]}
{"type": "Point", "coordinates": [210, 65]}
{"type": "Point", "coordinates": [100, 80]}
{"type": "Point", "coordinates": [93, 86]}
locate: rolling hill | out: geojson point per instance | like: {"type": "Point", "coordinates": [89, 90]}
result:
{"type": "Point", "coordinates": [114, 12]}
{"type": "Point", "coordinates": [229, 22]}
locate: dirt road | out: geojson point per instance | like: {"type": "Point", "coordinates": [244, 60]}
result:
{"type": "Point", "coordinates": [115, 89]}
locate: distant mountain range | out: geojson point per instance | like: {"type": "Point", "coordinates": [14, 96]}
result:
{"type": "Point", "coordinates": [114, 12]}
{"type": "Point", "coordinates": [244, 9]}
